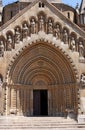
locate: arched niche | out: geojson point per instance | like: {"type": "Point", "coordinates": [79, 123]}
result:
{"type": "Point", "coordinates": [42, 19]}
{"type": "Point", "coordinates": [73, 44]}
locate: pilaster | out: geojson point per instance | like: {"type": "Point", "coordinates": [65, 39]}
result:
{"type": "Point", "coordinates": [13, 109]}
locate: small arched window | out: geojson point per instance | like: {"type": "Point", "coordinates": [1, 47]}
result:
{"type": "Point", "coordinates": [68, 15]}
{"type": "Point", "coordinates": [41, 5]}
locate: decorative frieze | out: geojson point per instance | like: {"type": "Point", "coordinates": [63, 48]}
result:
{"type": "Point", "coordinates": [46, 25]}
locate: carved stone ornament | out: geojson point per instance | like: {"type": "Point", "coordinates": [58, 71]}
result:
{"type": "Point", "coordinates": [25, 30]}
{"type": "Point", "coordinates": [73, 44]}
{"type": "Point", "coordinates": [81, 50]}
{"type": "Point", "coordinates": [33, 26]}
{"type": "Point", "coordinates": [41, 23]}
{"type": "Point", "coordinates": [17, 35]}
{"type": "Point", "coordinates": [50, 26]}
{"type": "Point", "coordinates": [9, 43]}
{"type": "Point", "coordinates": [1, 48]}
{"type": "Point", "coordinates": [82, 80]}
{"type": "Point", "coordinates": [57, 32]}
{"type": "Point", "coordinates": [65, 36]}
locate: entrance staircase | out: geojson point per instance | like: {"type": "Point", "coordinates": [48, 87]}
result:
{"type": "Point", "coordinates": [39, 123]}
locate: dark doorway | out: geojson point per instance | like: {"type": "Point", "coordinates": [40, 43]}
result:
{"type": "Point", "coordinates": [40, 103]}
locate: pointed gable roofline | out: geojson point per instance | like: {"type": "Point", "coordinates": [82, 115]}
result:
{"type": "Point", "coordinates": [54, 10]}
{"type": "Point", "coordinates": [82, 7]}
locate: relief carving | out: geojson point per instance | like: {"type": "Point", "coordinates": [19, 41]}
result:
{"type": "Point", "coordinates": [50, 26]}
{"type": "Point", "coordinates": [57, 32]}
{"type": "Point", "coordinates": [25, 30]}
{"type": "Point", "coordinates": [17, 35]}
{"type": "Point", "coordinates": [73, 44]}
{"type": "Point", "coordinates": [1, 48]}
{"type": "Point", "coordinates": [65, 36]}
{"type": "Point", "coordinates": [41, 23]}
{"type": "Point", "coordinates": [81, 49]}
{"type": "Point", "coordinates": [33, 26]}
{"type": "Point", "coordinates": [9, 43]}
{"type": "Point", "coordinates": [82, 80]}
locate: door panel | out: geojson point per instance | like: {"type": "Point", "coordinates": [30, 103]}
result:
{"type": "Point", "coordinates": [44, 102]}
{"type": "Point", "coordinates": [40, 103]}
{"type": "Point", "coordinates": [36, 102]}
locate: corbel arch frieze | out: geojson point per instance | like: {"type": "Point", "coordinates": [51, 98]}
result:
{"type": "Point", "coordinates": [70, 67]}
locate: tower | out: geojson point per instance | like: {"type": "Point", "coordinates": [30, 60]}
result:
{"type": "Point", "coordinates": [26, 0]}
{"type": "Point", "coordinates": [82, 12]}
{"type": "Point", "coordinates": [55, 1]}
{"type": "Point", "coordinates": [1, 9]}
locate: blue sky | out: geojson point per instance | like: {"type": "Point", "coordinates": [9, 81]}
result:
{"type": "Point", "coordinates": [69, 2]}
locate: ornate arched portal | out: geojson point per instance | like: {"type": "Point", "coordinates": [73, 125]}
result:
{"type": "Point", "coordinates": [41, 78]}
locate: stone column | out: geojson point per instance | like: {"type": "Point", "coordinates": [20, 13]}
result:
{"type": "Point", "coordinates": [13, 101]}
{"type": "Point", "coordinates": [18, 102]}
{"type": "Point", "coordinates": [31, 102]}
{"type": "Point", "coordinates": [22, 101]}
{"type": "Point", "coordinates": [25, 102]}
{"type": "Point", "coordinates": [54, 100]}
{"type": "Point", "coordinates": [50, 102]}
{"type": "Point", "coordinates": [8, 100]}
{"type": "Point", "coordinates": [3, 100]}
{"type": "Point", "coordinates": [28, 102]}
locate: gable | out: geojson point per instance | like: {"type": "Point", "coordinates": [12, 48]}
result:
{"type": "Point", "coordinates": [49, 12]}
{"type": "Point", "coordinates": [33, 9]}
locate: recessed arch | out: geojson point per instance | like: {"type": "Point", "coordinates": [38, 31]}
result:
{"type": "Point", "coordinates": [59, 58]}
{"type": "Point", "coordinates": [41, 13]}
{"type": "Point", "coordinates": [73, 34]}
{"type": "Point", "coordinates": [9, 33]}
{"type": "Point", "coordinates": [43, 66]}
{"type": "Point", "coordinates": [66, 28]}
{"type": "Point", "coordinates": [19, 27]}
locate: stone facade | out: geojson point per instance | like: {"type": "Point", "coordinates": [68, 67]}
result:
{"type": "Point", "coordinates": [42, 52]}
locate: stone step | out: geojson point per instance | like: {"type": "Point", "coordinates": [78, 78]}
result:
{"type": "Point", "coordinates": [37, 123]}
{"type": "Point", "coordinates": [48, 125]}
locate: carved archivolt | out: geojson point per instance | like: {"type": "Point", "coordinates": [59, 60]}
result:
{"type": "Point", "coordinates": [37, 59]}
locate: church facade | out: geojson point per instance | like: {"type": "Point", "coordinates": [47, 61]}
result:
{"type": "Point", "coordinates": [42, 59]}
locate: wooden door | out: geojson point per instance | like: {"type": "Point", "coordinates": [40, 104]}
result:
{"type": "Point", "coordinates": [36, 102]}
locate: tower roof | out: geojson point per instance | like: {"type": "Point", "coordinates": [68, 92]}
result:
{"type": "Point", "coordinates": [0, 3]}
{"type": "Point", "coordinates": [55, 1]}
{"type": "Point", "coordinates": [82, 7]}
{"type": "Point", "coordinates": [52, 1]}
